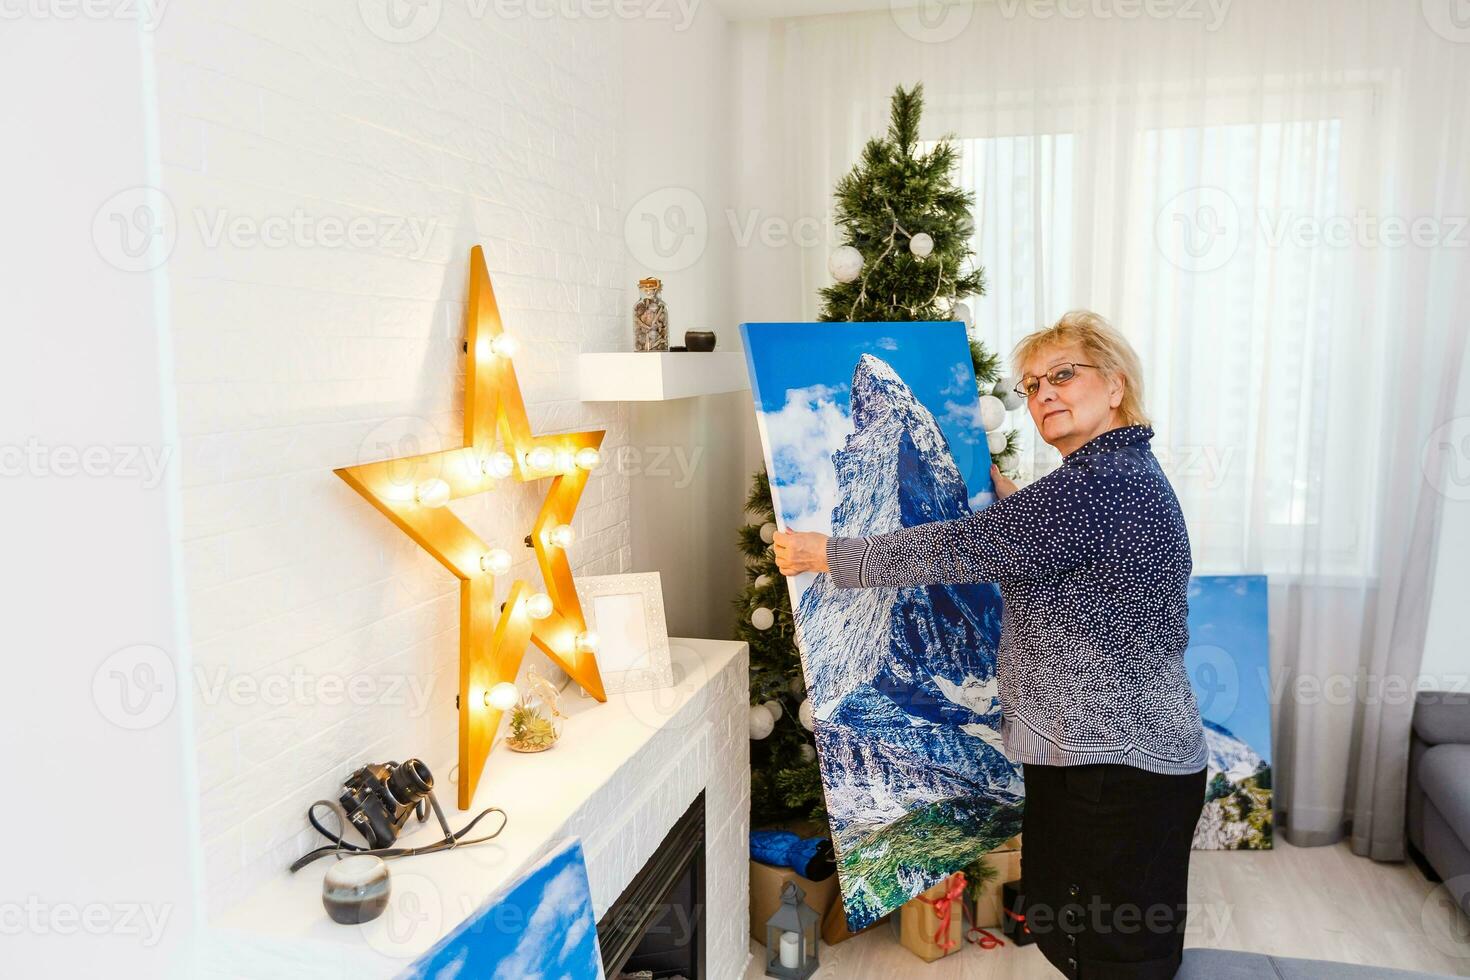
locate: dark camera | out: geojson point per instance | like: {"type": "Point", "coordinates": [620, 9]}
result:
{"type": "Point", "coordinates": [378, 799]}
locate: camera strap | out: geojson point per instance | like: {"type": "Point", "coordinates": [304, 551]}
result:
{"type": "Point", "coordinates": [339, 846]}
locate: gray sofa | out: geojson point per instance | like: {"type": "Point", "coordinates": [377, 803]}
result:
{"type": "Point", "coordinates": [1226, 964]}
{"type": "Point", "coordinates": [1439, 789]}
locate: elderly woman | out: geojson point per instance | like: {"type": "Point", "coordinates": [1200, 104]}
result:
{"type": "Point", "coordinates": [1093, 564]}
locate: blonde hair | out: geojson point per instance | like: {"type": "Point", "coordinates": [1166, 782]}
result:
{"type": "Point", "coordinates": [1104, 347]}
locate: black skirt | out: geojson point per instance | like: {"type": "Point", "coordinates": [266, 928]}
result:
{"type": "Point", "coordinates": [1105, 862]}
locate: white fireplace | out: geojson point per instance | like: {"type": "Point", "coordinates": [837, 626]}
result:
{"type": "Point", "coordinates": [621, 777]}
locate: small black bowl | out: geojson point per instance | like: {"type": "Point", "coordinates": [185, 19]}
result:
{"type": "Point", "coordinates": [700, 340]}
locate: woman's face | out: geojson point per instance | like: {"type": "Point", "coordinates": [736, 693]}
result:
{"type": "Point", "coordinates": [1069, 415]}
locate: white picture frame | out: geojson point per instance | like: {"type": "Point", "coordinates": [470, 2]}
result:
{"type": "Point", "coordinates": [627, 614]}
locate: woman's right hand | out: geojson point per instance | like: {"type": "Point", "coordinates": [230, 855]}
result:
{"type": "Point", "coordinates": [1004, 487]}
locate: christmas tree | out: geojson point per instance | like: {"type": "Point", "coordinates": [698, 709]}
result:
{"type": "Point", "coordinates": [905, 256]}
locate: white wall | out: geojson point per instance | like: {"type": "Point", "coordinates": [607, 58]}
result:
{"type": "Point", "coordinates": [293, 360]}
{"type": "Point", "coordinates": [690, 461]}
{"type": "Point", "coordinates": [97, 874]}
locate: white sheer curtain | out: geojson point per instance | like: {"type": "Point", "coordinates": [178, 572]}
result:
{"type": "Point", "coordinates": [1268, 198]}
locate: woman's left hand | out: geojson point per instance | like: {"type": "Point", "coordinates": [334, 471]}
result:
{"type": "Point", "coordinates": [800, 551]}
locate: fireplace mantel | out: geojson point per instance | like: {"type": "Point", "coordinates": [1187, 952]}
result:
{"type": "Point", "coordinates": [620, 777]}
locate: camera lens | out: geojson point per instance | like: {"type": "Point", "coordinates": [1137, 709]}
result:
{"type": "Point", "coordinates": [410, 782]}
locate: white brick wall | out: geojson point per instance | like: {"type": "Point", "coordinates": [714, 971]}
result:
{"type": "Point", "coordinates": [292, 360]}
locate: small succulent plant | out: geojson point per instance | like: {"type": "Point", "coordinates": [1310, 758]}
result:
{"type": "Point", "coordinates": [530, 731]}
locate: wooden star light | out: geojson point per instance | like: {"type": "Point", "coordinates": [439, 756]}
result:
{"type": "Point", "coordinates": [413, 492]}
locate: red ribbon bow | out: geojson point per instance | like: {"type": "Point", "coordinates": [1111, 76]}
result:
{"type": "Point", "coordinates": [954, 892]}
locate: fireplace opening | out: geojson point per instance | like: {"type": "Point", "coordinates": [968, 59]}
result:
{"type": "Point", "coordinates": [655, 929]}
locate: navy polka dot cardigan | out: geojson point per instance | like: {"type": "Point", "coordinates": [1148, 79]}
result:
{"type": "Point", "coordinates": [1093, 564]}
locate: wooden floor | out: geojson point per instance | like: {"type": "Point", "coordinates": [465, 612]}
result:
{"type": "Point", "coordinates": [1314, 902]}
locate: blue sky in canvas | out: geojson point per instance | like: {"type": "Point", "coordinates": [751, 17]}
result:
{"type": "Point", "coordinates": [542, 928]}
{"type": "Point", "coordinates": [800, 376]}
{"type": "Point", "coordinates": [1229, 655]}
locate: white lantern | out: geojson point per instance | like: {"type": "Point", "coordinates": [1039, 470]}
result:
{"type": "Point", "coordinates": [761, 581]}
{"type": "Point", "coordinates": [921, 245]}
{"type": "Point", "coordinates": [995, 441]}
{"type": "Point", "coordinates": [845, 264]}
{"type": "Point", "coordinates": [762, 618]}
{"type": "Point", "coordinates": [768, 532]}
{"type": "Point", "coordinates": [761, 722]}
{"type": "Point", "coordinates": [807, 753]}
{"type": "Point", "coordinates": [804, 714]}
{"type": "Point", "coordinates": [992, 412]}
{"type": "Point", "coordinates": [774, 707]}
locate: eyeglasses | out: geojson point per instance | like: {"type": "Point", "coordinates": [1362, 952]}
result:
{"type": "Point", "coordinates": [1057, 376]}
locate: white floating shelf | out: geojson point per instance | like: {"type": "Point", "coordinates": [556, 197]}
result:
{"type": "Point", "coordinates": [662, 376]}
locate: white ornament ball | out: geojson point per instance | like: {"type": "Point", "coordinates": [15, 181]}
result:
{"type": "Point", "coordinates": [761, 581]}
{"type": "Point", "coordinates": [774, 707]}
{"type": "Point", "coordinates": [992, 412]}
{"type": "Point", "coordinates": [762, 618]}
{"type": "Point", "coordinates": [768, 532]}
{"type": "Point", "coordinates": [807, 753]}
{"type": "Point", "coordinates": [761, 722]}
{"type": "Point", "coordinates": [804, 714]}
{"type": "Point", "coordinates": [1005, 390]}
{"type": "Point", "coordinates": [921, 245]}
{"type": "Point", "coordinates": [995, 441]}
{"type": "Point", "coordinates": [797, 687]}
{"type": "Point", "coordinates": [962, 313]}
{"type": "Point", "coordinates": [845, 264]}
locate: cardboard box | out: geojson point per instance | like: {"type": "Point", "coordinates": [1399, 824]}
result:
{"type": "Point", "coordinates": [917, 925]}
{"type": "Point", "coordinates": [766, 883]}
{"type": "Point", "coordinates": [834, 924]}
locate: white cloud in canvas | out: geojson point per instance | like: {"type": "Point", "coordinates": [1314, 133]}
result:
{"type": "Point", "coordinates": [804, 434]}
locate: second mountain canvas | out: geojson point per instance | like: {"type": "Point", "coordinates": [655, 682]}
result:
{"type": "Point", "coordinates": [867, 428]}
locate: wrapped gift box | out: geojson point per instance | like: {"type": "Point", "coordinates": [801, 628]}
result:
{"type": "Point", "coordinates": [919, 925]}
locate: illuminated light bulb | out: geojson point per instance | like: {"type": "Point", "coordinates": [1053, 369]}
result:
{"type": "Point", "coordinates": [498, 465]}
{"type": "Point", "coordinates": [539, 605]}
{"type": "Point", "coordinates": [566, 460]}
{"type": "Point", "coordinates": [432, 493]}
{"type": "Point", "coordinates": [588, 458]}
{"type": "Point", "coordinates": [540, 458]}
{"type": "Point", "coordinates": [496, 561]}
{"type": "Point", "coordinates": [502, 696]}
{"type": "Point", "coordinates": [587, 642]}
{"type": "Point", "coordinates": [504, 345]}
{"type": "Point", "coordinates": [562, 535]}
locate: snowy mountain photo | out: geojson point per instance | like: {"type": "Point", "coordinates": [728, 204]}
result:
{"type": "Point", "coordinates": [901, 681]}
{"type": "Point", "coordinates": [1228, 662]}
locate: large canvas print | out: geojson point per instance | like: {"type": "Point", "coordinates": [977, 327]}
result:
{"type": "Point", "coordinates": [869, 427]}
{"type": "Point", "coordinates": [1229, 668]}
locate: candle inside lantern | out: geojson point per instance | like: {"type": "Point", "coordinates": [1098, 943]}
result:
{"type": "Point", "coordinates": [790, 949]}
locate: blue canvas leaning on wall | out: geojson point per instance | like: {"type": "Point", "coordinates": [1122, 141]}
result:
{"type": "Point", "coordinates": [540, 925]}
{"type": "Point", "coordinates": [869, 427]}
{"type": "Point", "coordinates": [1229, 667]}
